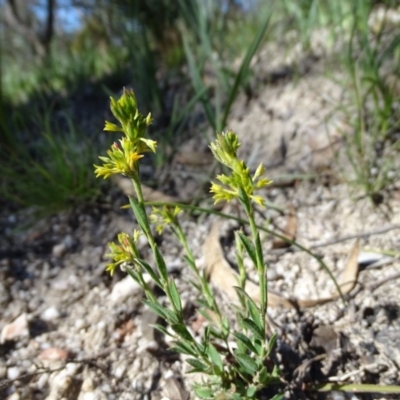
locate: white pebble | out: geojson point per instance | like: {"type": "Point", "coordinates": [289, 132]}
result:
{"type": "Point", "coordinates": [13, 373]}
{"type": "Point", "coordinates": [80, 323]}
{"type": "Point", "coordinates": [59, 250]}
{"type": "Point", "coordinates": [126, 288]}
{"type": "Point", "coordinates": [15, 330]}
{"type": "Point", "coordinates": [50, 314]}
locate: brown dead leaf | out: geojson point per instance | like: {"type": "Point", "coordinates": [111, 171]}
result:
{"type": "Point", "coordinates": [194, 158]}
{"type": "Point", "coordinates": [174, 390]}
{"type": "Point", "coordinates": [149, 194]}
{"type": "Point", "coordinates": [53, 354]}
{"type": "Point", "coordinates": [349, 276]}
{"type": "Point", "coordinates": [225, 278]}
{"type": "Point", "coordinates": [125, 329]}
{"type": "Point", "coordinates": [289, 231]}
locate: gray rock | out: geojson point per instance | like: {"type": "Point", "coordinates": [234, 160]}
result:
{"type": "Point", "coordinates": [59, 250]}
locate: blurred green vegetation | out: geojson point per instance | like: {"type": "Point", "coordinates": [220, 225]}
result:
{"type": "Point", "coordinates": [56, 79]}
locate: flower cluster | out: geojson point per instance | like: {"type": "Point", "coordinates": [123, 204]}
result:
{"type": "Point", "coordinates": [162, 217]}
{"type": "Point", "coordinates": [240, 183]}
{"type": "Point", "coordinates": [125, 252]}
{"type": "Point", "coordinates": [122, 158]}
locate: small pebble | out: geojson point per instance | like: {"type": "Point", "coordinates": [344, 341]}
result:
{"type": "Point", "coordinates": [15, 330]}
{"type": "Point", "coordinates": [50, 314]}
{"type": "Point", "coordinates": [125, 288]}
{"type": "Point", "coordinates": [80, 323]}
{"type": "Point", "coordinates": [53, 354]}
{"type": "Point", "coordinates": [13, 373]}
{"type": "Point", "coordinates": [59, 250]}
{"type": "Point", "coordinates": [68, 241]}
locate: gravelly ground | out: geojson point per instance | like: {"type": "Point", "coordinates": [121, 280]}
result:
{"type": "Point", "coordinates": [83, 335]}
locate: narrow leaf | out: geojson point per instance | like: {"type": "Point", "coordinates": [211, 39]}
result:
{"type": "Point", "coordinates": [251, 391]}
{"type": "Point", "coordinates": [173, 291]}
{"type": "Point", "coordinates": [216, 359]}
{"type": "Point", "coordinates": [246, 341]}
{"type": "Point", "coordinates": [197, 365]}
{"type": "Point", "coordinates": [182, 331]}
{"type": "Point", "coordinates": [244, 68]}
{"type": "Point", "coordinates": [246, 242]}
{"type": "Point", "coordinates": [247, 363]}
{"type": "Point", "coordinates": [259, 250]}
{"type": "Point", "coordinates": [253, 328]}
{"type": "Point", "coordinates": [204, 392]}
{"type": "Point", "coordinates": [162, 268]}
{"type": "Point", "coordinates": [162, 329]}
{"type": "Point", "coordinates": [163, 312]}
{"type": "Point", "coordinates": [271, 343]}
{"type": "Point", "coordinates": [278, 396]}
{"type": "Point", "coordinates": [134, 275]}
{"type": "Point", "coordinates": [140, 214]}
{"type": "Point", "coordinates": [251, 306]}
{"type": "Point", "coordinates": [150, 271]}
{"type": "Point", "coordinates": [184, 348]}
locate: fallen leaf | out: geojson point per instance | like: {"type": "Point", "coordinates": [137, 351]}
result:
{"type": "Point", "coordinates": [225, 278]}
{"type": "Point", "coordinates": [149, 194]}
{"type": "Point", "coordinates": [289, 231]}
{"type": "Point", "coordinates": [125, 329]}
{"type": "Point", "coordinates": [53, 354]}
{"type": "Point", "coordinates": [17, 329]}
{"type": "Point", "coordinates": [193, 158]}
{"type": "Point", "coordinates": [174, 390]}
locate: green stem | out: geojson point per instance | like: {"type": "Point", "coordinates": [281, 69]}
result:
{"type": "Point", "coordinates": [205, 287]}
{"type": "Point", "coordinates": [260, 270]}
{"type": "Point", "coordinates": [261, 228]}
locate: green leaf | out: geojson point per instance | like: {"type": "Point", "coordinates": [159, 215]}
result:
{"type": "Point", "coordinates": [162, 329]}
{"type": "Point", "coordinates": [246, 341]}
{"type": "Point", "coordinates": [244, 67]}
{"type": "Point", "coordinates": [247, 363]}
{"type": "Point", "coordinates": [189, 261]}
{"type": "Point", "coordinates": [184, 348]}
{"type": "Point", "coordinates": [173, 291]}
{"type": "Point", "coordinates": [251, 391]}
{"type": "Point", "coordinates": [203, 303]}
{"type": "Point", "coordinates": [182, 331]}
{"type": "Point", "coordinates": [226, 328]}
{"type": "Point", "coordinates": [215, 332]}
{"type": "Point", "coordinates": [134, 275]}
{"type": "Point", "coordinates": [271, 343]}
{"type": "Point", "coordinates": [162, 268]}
{"type": "Point", "coordinates": [206, 337]}
{"type": "Point", "coordinates": [259, 249]}
{"type": "Point", "coordinates": [259, 345]}
{"type": "Point", "coordinates": [253, 328]}
{"type": "Point", "coordinates": [246, 242]}
{"type": "Point", "coordinates": [150, 271]}
{"type": "Point", "coordinates": [251, 306]}
{"type": "Point", "coordinates": [278, 396]}
{"type": "Point", "coordinates": [140, 214]}
{"type": "Point", "coordinates": [163, 312]}
{"type": "Point", "coordinates": [197, 365]}
{"type": "Point", "coordinates": [205, 315]}
{"type": "Point", "coordinates": [216, 359]}
{"type": "Point", "coordinates": [263, 376]}
{"type": "Point", "coordinates": [197, 82]}
{"type": "Point", "coordinates": [204, 392]}
{"type": "Point", "coordinates": [241, 347]}
{"type": "Point", "coordinates": [195, 285]}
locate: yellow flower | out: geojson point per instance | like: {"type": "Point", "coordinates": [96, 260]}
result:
{"type": "Point", "coordinates": [162, 217]}
{"type": "Point", "coordinates": [239, 184]}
